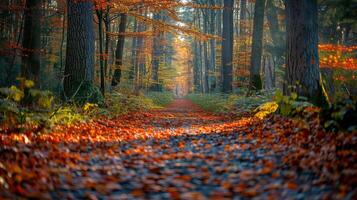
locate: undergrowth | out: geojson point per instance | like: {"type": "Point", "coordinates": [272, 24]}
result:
{"type": "Point", "coordinates": [337, 117]}
{"type": "Point", "coordinates": [217, 103]}
{"type": "Point", "coordinates": [160, 98]}
{"type": "Point", "coordinates": [223, 103]}
{"type": "Point", "coordinates": [25, 109]}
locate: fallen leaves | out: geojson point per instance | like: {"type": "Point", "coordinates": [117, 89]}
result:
{"type": "Point", "coordinates": [180, 152]}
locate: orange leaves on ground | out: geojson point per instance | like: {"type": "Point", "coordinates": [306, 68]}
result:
{"type": "Point", "coordinates": [180, 152]}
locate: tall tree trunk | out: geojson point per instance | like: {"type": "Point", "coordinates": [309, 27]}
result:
{"type": "Point", "coordinates": [227, 46]}
{"type": "Point", "coordinates": [201, 64]}
{"type": "Point", "coordinates": [140, 58]}
{"type": "Point", "coordinates": [134, 51]}
{"type": "Point", "coordinates": [119, 51]}
{"type": "Point", "coordinates": [196, 70]}
{"type": "Point", "coordinates": [79, 68]}
{"type": "Point", "coordinates": [213, 47]}
{"type": "Point", "coordinates": [31, 60]}
{"type": "Point", "coordinates": [257, 46]}
{"type": "Point", "coordinates": [107, 41]}
{"type": "Point", "coordinates": [156, 54]}
{"type": "Point", "coordinates": [101, 52]}
{"type": "Point", "coordinates": [302, 60]}
{"type": "Point", "coordinates": [207, 65]}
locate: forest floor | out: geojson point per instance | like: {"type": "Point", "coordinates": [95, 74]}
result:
{"type": "Point", "coordinates": [180, 152]}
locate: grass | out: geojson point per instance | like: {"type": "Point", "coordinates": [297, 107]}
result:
{"type": "Point", "coordinates": [223, 103]}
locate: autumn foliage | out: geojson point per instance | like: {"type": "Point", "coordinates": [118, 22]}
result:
{"type": "Point", "coordinates": [162, 153]}
{"type": "Point", "coordinates": [338, 57]}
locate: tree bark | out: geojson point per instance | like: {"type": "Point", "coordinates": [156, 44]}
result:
{"type": "Point", "coordinates": [31, 43]}
{"type": "Point", "coordinates": [119, 51]}
{"type": "Point", "coordinates": [79, 66]}
{"type": "Point", "coordinates": [257, 46]}
{"type": "Point", "coordinates": [302, 60]}
{"type": "Point", "coordinates": [107, 22]}
{"type": "Point", "coordinates": [227, 46]}
{"type": "Point", "coordinates": [134, 52]}
{"type": "Point", "coordinates": [101, 52]}
{"type": "Point", "coordinates": [213, 47]}
{"type": "Point", "coordinates": [156, 53]}
{"type": "Point", "coordinates": [205, 54]}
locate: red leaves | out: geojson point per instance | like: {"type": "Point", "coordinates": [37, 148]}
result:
{"type": "Point", "coordinates": [176, 152]}
{"type": "Point", "coordinates": [334, 57]}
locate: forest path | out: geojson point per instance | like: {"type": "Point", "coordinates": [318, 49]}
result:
{"type": "Point", "coordinates": [180, 152]}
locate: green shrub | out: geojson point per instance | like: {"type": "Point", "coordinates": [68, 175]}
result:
{"type": "Point", "coordinates": [161, 99]}
{"type": "Point", "coordinates": [292, 105]}
{"type": "Point", "coordinates": [118, 104]}
{"type": "Point", "coordinates": [89, 93]}
{"type": "Point", "coordinates": [18, 104]}
{"type": "Point", "coordinates": [250, 103]}
{"type": "Point", "coordinates": [340, 116]}
{"type": "Point", "coordinates": [218, 103]}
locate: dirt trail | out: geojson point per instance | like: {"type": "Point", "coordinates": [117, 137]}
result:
{"type": "Point", "coordinates": [179, 152]}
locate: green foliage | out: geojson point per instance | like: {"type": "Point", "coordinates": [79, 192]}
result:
{"type": "Point", "coordinates": [89, 93]}
{"type": "Point", "coordinates": [218, 103]}
{"type": "Point", "coordinates": [290, 105]}
{"type": "Point", "coordinates": [14, 99]}
{"type": "Point", "coordinates": [340, 116]}
{"type": "Point", "coordinates": [118, 104]}
{"type": "Point", "coordinates": [250, 103]}
{"type": "Point", "coordinates": [160, 98]}
{"type": "Point", "coordinates": [222, 103]}
{"type": "Point", "coordinates": [67, 115]}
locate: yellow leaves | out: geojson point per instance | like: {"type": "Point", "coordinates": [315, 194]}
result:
{"type": "Point", "coordinates": [89, 106]}
{"type": "Point", "coordinates": [16, 94]}
{"type": "Point", "coordinates": [265, 109]}
{"type": "Point", "coordinates": [29, 83]}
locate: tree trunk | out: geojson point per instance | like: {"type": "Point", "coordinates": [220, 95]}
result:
{"type": "Point", "coordinates": [196, 70]}
{"type": "Point", "coordinates": [156, 54]}
{"type": "Point", "coordinates": [140, 58]}
{"type": "Point", "coordinates": [134, 51]}
{"type": "Point", "coordinates": [107, 41]}
{"type": "Point", "coordinates": [213, 48]}
{"type": "Point", "coordinates": [205, 54]}
{"type": "Point", "coordinates": [257, 46]}
{"type": "Point", "coordinates": [31, 43]}
{"type": "Point", "coordinates": [227, 46]}
{"type": "Point", "coordinates": [302, 60]}
{"type": "Point", "coordinates": [79, 68]}
{"type": "Point", "coordinates": [119, 51]}
{"type": "Point", "coordinates": [101, 52]}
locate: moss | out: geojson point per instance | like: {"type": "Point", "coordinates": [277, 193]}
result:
{"type": "Point", "coordinates": [88, 93]}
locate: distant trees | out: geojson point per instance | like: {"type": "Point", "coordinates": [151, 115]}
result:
{"type": "Point", "coordinates": [230, 45]}
{"type": "Point", "coordinates": [79, 68]}
{"type": "Point", "coordinates": [302, 60]}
